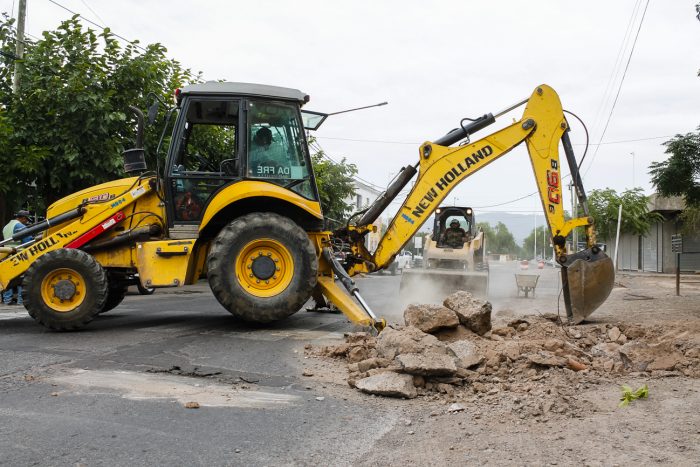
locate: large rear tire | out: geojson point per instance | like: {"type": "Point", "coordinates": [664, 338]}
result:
{"type": "Point", "coordinates": [65, 289]}
{"type": "Point", "coordinates": [262, 267]}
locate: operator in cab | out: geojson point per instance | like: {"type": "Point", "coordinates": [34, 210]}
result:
{"type": "Point", "coordinates": [455, 236]}
{"type": "Point", "coordinates": [266, 156]}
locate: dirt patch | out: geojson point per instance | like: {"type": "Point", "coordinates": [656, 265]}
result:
{"type": "Point", "coordinates": [183, 389]}
{"type": "Point", "coordinates": [533, 366]}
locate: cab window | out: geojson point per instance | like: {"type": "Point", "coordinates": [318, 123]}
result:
{"type": "Point", "coordinates": [206, 155]}
{"type": "Point", "coordinates": [275, 147]}
{"type": "Point", "coordinates": [208, 142]}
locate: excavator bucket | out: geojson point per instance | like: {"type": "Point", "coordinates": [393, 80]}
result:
{"type": "Point", "coordinates": [587, 277]}
{"type": "Point", "coordinates": [433, 285]}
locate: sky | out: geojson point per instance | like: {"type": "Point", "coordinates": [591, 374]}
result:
{"type": "Point", "coordinates": [436, 63]}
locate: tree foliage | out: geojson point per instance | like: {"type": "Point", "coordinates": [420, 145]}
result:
{"type": "Point", "coordinates": [69, 120]}
{"type": "Point", "coordinates": [679, 175]}
{"type": "Point", "coordinates": [636, 218]}
{"type": "Point", "coordinates": [499, 239]}
{"type": "Point", "coordinates": [335, 185]}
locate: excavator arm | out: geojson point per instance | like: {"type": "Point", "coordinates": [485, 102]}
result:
{"type": "Point", "coordinates": [587, 275]}
{"type": "Point", "coordinates": [442, 168]}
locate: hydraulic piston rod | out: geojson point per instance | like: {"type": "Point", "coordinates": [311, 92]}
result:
{"type": "Point", "coordinates": [45, 224]}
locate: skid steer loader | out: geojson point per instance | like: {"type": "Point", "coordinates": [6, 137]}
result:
{"type": "Point", "coordinates": [454, 259]}
{"type": "Point", "coordinates": [236, 203]}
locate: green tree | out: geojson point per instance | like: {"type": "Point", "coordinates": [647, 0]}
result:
{"type": "Point", "coordinates": [679, 174]}
{"type": "Point", "coordinates": [335, 185]}
{"type": "Point", "coordinates": [636, 218]}
{"type": "Point", "coordinates": [499, 239]}
{"type": "Point", "coordinates": [505, 241]}
{"type": "Point", "coordinates": [70, 119]}
{"type": "Point", "coordinates": [489, 234]}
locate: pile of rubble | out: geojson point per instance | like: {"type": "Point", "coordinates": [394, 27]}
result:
{"type": "Point", "coordinates": [453, 351]}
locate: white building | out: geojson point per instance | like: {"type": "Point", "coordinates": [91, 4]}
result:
{"type": "Point", "coordinates": [365, 195]}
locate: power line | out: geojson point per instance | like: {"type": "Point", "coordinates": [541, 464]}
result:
{"type": "Point", "coordinates": [616, 67]}
{"type": "Point", "coordinates": [92, 11]}
{"type": "Point", "coordinates": [97, 25]}
{"type": "Point", "coordinates": [315, 145]}
{"type": "Point", "coordinates": [418, 144]}
{"type": "Point", "coordinates": [619, 89]}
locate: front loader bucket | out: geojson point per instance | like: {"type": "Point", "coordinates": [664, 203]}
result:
{"type": "Point", "coordinates": [433, 285]}
{"type": "Point", "coordinates": [587, 277]}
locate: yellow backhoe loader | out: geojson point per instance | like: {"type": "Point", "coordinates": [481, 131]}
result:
{"type": "Point", "coordinates": [453, 259]}
{"type": "Point", "coordinates": [236, 202]}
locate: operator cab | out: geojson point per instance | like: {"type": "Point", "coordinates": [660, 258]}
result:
{"type": "Point", "coordinates": [447, 216]}
{"type": "Point", "coordinates": [228, 132]}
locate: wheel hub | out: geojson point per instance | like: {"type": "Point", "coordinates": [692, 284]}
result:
{"type": "Point", "coordinates": [263, 267]}
{"type": "Point", "coordinates": [64, 289]}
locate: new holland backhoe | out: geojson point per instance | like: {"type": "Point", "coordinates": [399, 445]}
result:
{"type": "Point", "coordinates": [236, 202]}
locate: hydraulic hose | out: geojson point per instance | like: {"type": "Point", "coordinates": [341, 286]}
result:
{"type": "Point", "coordinates": [388, 196]}
{"type": "Point", "coordinates": [132, 236]}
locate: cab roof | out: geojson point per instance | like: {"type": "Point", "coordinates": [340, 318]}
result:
{"type": "Point", "coordinates": [246, 89]}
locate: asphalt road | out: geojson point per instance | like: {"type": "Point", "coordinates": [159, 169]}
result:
{"type": "Point", "coordinates": [115, 392]}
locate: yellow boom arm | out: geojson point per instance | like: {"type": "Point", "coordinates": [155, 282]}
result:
{"type": "Point", "coordinates": [442, 168]}
{"type": "Point", "coordinates": [587, 275]}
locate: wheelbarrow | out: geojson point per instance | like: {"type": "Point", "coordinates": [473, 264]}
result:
{"type": "Point", "coordinates": [526, 283]}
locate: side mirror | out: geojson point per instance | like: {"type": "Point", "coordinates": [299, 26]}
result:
{"type": "Point", "coordinates": [152, 112]}
{"type": "Point", "coordinates": [135, 159]}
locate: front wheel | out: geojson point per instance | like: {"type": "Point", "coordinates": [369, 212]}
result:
{"type": "Point", "coordinates": [262, 267]}
{"type": "Point", "coordinates": [65, 289]}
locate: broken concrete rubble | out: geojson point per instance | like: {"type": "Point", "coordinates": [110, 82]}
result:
{"type": "Point", "coordinates": [394, 341]}
{"type": "Point", "coordinates": [545, 358]}
{"type": "Point", "coordinates": [430, 318]}
{"type": "Point", "coordinates": [536, 359]}
{"type": "Point", "coordinates": [466, 353]}
{"type": "Point", "coordinates": [473, 313]}
{"type": "Point", "coordinates": [429, 364]}
{"type": "Point", "coordinates": [388, 384]}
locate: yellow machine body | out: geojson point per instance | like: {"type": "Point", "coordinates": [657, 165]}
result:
{"type": "Point", "coordinates": [127, 225]}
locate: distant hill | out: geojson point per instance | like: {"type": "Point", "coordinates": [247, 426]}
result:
{"type": "Point", "coordinates": [520, 225]}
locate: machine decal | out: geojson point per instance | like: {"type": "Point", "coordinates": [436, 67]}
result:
{"type": "Point", "coordinates": [138, 192]}
{"type": "Point", "coordinates": [553, 186]}
{"type": "Point", "coordinates": [33, 250]}
{"type": "Point", "coordinates": [66, 234]}
{"type": "Point", "coordinates": [98, 198]}
{"type": "Point", "coordinates": [118, 202]}
{"type": "Point", "coordinates": [449, 177]}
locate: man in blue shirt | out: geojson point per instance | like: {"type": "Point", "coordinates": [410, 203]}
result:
{"type": "Point", "coordinates": [20, 222]}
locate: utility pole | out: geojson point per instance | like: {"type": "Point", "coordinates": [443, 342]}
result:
{"type": "Point", "coordinates": [574, 214]}
{"type": "Point", "coordinates": [534, 253]}
{"type": "Point", "coordinates": [19, 49]}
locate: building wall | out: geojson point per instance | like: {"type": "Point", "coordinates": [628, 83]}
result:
{"type": "Point", "coordinates": [655, 254]}
{"type": "Point", "coordinates": [364, 196]}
